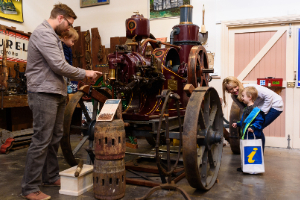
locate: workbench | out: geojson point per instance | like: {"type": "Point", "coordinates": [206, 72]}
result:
{"type": "Point", "coordinates": [15, 114]}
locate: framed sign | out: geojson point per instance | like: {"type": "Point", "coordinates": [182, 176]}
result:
{"type": "Point", "coordinates": [166, 8]}
{"type": "Point", "coordinates": [87, 3]}
{"type": "Point", "coordinates": [12, 10]}
{"type": "Point", "coordinates": [16, 46]}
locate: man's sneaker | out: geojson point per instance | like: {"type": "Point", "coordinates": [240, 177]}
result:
{"type": "Point", "coordinates": [55, 184]}
{"type": "Point", "coordinates": [37, 196]}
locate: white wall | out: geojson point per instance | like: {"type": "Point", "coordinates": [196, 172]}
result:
{"type": "Point", "coordinates": [110, 19]}
{"type": "Point", "coordinates": [33, 14]}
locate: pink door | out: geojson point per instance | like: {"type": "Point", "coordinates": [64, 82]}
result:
{"type": "Point", "coordinates": [272, 64]}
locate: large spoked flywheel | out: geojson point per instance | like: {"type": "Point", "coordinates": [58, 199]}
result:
{"type": "Point", "coordinates": [202, 138]}
{"type": "Point", "coordinates": [197, 63]}
{"type": "Point", "coordinates": [86, 128]}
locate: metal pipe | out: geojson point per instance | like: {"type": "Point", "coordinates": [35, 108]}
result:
{"type": "Point", "coordinates": [176, 31]}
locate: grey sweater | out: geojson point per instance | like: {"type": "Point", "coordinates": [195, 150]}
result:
{"type": "Point", "coordinates": [46, 64]}
{"type": "Point", "coordinates": [266, 99]}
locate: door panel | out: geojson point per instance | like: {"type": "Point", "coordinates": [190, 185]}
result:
{"type": "Point", "coordinates": [273, 64]}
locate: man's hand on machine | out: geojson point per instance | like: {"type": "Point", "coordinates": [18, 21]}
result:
{"type": "Point", "coordinates": [94, 75]}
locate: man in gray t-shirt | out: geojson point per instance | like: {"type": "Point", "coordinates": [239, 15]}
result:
{"type": "Point", "coordinates": [47, 92]}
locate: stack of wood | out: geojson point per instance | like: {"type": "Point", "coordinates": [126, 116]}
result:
{"type": "Point", "coordinates": [14, 140]}
{"type": "Point", "coordinates": [89, 53]}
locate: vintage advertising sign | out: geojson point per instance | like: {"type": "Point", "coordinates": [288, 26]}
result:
{"type": "Point", "coordinates": [16, 46]}
{"type": "Point", "coordinates": [12, 10]}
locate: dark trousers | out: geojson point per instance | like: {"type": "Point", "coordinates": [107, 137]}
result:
{"type": "Point", "coordinates": [41, 161]}
{"type": "Point", "coordinates": [269, 118]}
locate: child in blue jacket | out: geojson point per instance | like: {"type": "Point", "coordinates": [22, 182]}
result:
{"type": "Point", "coordinates": [252, 119]}
{"type": "Point", "coordinates": [68, 38]}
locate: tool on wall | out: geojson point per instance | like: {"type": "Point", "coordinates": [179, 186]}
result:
{"type": "Point", "coordinates": [87, 45]}
{"type": "Point", "coordinates": [3, 71]}
{"type": "Point", "coordinates": [11, 84]}
{"type": "Point", "coordinates": [21, 79]}
{"type": "Point", "coordinates": [203, 34]}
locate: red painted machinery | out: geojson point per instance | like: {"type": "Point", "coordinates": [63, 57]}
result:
{"type": "Point", "coordinates": [165, 95]}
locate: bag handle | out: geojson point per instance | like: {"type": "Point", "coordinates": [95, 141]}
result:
{"type": "Point", "coordinates": [253, 135]}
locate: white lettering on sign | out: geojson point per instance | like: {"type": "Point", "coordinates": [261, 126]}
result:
{"type": "Point", "coordinates": [16, 46]}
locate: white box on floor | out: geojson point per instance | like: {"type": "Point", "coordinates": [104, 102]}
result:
{"type": "Point", "coordinates": [75, 186]}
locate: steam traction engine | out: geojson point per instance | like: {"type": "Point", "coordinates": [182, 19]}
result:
{"type": "Point", "coordinates": [165, 95]}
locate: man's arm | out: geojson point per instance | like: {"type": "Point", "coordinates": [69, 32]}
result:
{"type": "Point", "coordinates": [51, 52]}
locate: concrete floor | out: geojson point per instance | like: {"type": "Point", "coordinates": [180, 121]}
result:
{"type": "Point", "coordinates": [280, 181]}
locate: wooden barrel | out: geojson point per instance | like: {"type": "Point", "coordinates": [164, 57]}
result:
{"type": "Point", "coordinates": [109, 179]}
{"type": "Point", "coordinates": [110, 142]}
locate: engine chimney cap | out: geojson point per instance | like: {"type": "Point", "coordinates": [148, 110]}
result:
{"type": "Point", "coordinates": [186, 6]}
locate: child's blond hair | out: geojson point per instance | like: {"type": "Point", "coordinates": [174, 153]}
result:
{"type": "Point", "coordinates": [233, 82]}
{"type": "Point", "coordinates": [251, 92]}
{"type": "Point", "coordinates": [72, 33]}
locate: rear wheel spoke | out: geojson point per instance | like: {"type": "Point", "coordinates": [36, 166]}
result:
{"type": "Point", "coordinates": [201, 120]}
{"type": "Point", "coordinates": [95, 109]}
{"type": "Point", "coordinates": [85, 112]}
{"type": "Point", "coordinates": [206, 108]}
{"type": "Point", "coordinates": [80, 144]}
{"type": "Point", "coordinates": [204, 168]}
{"type": "Point", "coordinates": [212, 115]}
{"type": "Point", "coordinates": [211, 159]}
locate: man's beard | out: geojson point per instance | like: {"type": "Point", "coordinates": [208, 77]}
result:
{"type": "Point", "coordinates": [60, 29]}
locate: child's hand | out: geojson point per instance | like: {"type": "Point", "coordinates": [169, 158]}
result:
{"type": "Point", "coordinates": [250, 130]}
{"type": "Point", "coordinates": [234, 125]}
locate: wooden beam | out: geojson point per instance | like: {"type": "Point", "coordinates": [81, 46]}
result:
{"type": "Point", "coordinates": [96, 47]}
{"type": "Point", "coordinates": [113, 42]}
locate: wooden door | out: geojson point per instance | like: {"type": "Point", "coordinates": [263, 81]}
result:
{"type": "Point", "coordinates": [258, 53]}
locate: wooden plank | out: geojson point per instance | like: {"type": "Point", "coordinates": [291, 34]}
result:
{"type": "Point", "coordinates": [256, 50]}
{"type": "Point", "coordinates": [251, 76]}
{"type": "Point", "coordinates": [261, 54]}
{"type": "Point", "coordinates": [113, 42]}
{"type": "Point", "coordinates": [123, 40]}
{"type": "Point", "coordinates": [104, 55]}
{"type": "Point", "coordinates": [82, 49]}
{"type": "Point", "coordinates": [14, 101]}
{"type": "Point", "coordinates": [96, 47]}
{"type": "Point", "coordinates": [76, 49]}
{"type": "Point", "coordinates": [107, 51]}
{"type": "Point", "coordinates": [82, 52]}
{"type": "Point", "coordinates": [142, 182]}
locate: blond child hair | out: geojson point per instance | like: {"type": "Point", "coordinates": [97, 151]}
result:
{"type": "Point", "coordinates": [251, 92]}
{"type": "Point", "coordinates": [72, 33]}
{"type": "Point", "coordinates": [232, 82]}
